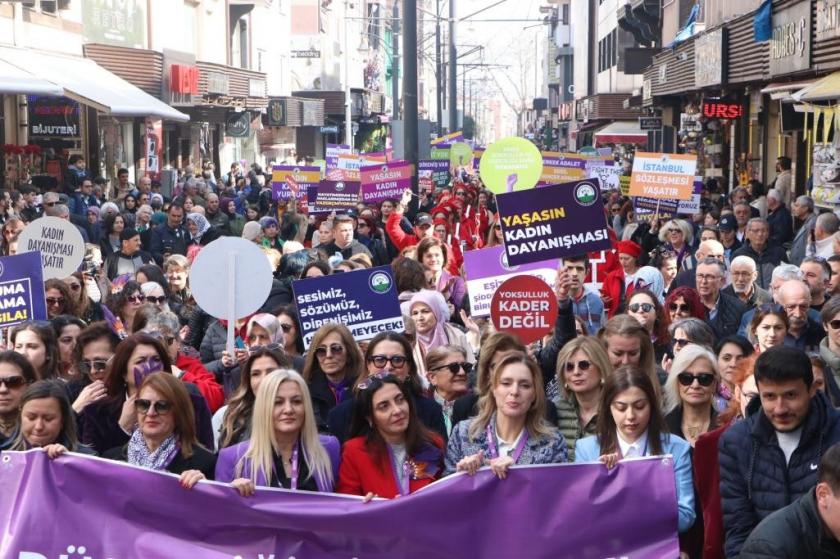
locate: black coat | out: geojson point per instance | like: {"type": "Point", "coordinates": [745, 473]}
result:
{"type": "Point", "coordinates": [429, 412]}
{"type": "Point", "coordinates": [794, 532]}
{"type": "Point", "coordinates": [755, 481]}
{"type": "Point", "coordinates": [729, 312]}
{"type": "Point", "coordinates": [765, 262]}
{"type": "Point", "coordinates": [202, 460]}
{"type": "Point", "coordinates": [781, 226]}
{"type": "Point", "coordinates": [323, 399]}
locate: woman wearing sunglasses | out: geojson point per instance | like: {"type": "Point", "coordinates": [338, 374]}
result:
{"type": "Point", "coordinates": [684, 302]}
{"type": "Point", "coordinates": [631, 425]}
{"type": "Point", "coordinates": [58, 298]}
{"type": "Point", "coordinates": [284, 449]}
{"type": "Point", "coordinates": [47, 421]}
{"type": "Point", "coordinates": [582, 366]}
{"type": "Point", "coordinates": [109, 422]}
{"type": "Point", "coordinates": [36, 341]}
{"type": "Point", "coordinates": [291, 339]}
{"type": "Point", "coordinates": [510, 428]}
{"type": "Point", "coordinates": [390, 452]}
{"type": "Point", "coordinates": [645, 307]}
{"type": "Point", "coordinates": [124, 303]}
{"type": "Point", "coordinates": [689, 393]}
{"type": "Point", "coordinates": [15, 375]}
{"type": "Point", "coordinates": [88, 310]}
{"type": "Point", "coordinates": [447, 370]}
{"type": "Point", "coordinates": [155, 295]}
{"type": "Point", "coordinates": [165, 439]}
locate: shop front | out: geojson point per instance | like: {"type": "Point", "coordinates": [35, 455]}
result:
{"type": "Point", "coordinates": [370, 126]}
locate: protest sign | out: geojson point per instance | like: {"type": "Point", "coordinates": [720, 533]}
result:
{"type": "Point", "coordinates": [386, 182]}
{"type": "Point", "coordinates": [692, 206]}
{"type": "Point", "coordinates": [62, 246]}
{"type": "Point", "coordinates": [289, 180]}
{"type": "Point", "coordinates": [647, 208]}
{"type": "Point", "coordinates": [21, 289]}
{"type": "Point", "coordinates": [334, 151]}
{"type": "Point", "coordinates": [553, 222]}
{"type": "Point", "coordinates": [511, 164]}
{"type": "Point", "coordinates": [364, 300]}
{"type": "Point", "coordinates": [486, 269]}
{"type": "Point", "coordinates": [439, 169]}
{"type": "Point", "coordinates": [460, 155]}
{"type": "Point", "coordinates": [448, 139]}
{"type": "Point", "coordinates": [663, 175]}
{"type": "Point", "coordinates": [608, 175]}
{"type": "Point", "coordinates": [627, 511]}
{"type": "Point", "coordinates": [373, 158]}
{"type": "Point", "coordinates": [334, 196]}
{"type": "Point", "coordinates": [524, 306]}
{"type": "Point", "coordinates": [478, 153]}
{"type": "Point", "coordinates": [425, 181]}
{"type": "Point", "coordinates": [562, 167]}
{"type": "Point", "coordinates": [440, 152]}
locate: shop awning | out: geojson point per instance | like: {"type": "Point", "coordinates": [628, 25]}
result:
{"type": "Point", "coordinates": [80, 79]}
{"type": "Point", "coordinates": [825, 89]}
{"type": "Point", "coordinates": [783, 90]}
{"type": "Point", "coordinates": [620, 132]}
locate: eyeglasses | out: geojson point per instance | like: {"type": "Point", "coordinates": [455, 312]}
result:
{"type": "Point", "coordinates": [50, 204]}
{"type": "Point", "coordinates": [455, 367]}
{"type": "Point", "coordinates": [97, 365]}
{"type": "Point", "coordinates": [13, 382]}
{"type": "Point", "coordinates": [374, 379]}
{"type": "Point", "coordinates": [333, 349]}
{"type": "Point", "coordinates": [645, 307]}
{"type": "Point", "coordinates": [583, 365]}
{"type": "Point", "coordinates": [707, 277]}
{"type": "Point", "coordinates": [156, 300]}
{"type": "Point", "coordinates": [674, 230]}
{"type": "Point", "coordinates": [835, 324]}
{"type": "Point", "coordinates": [396, 361]}
{"type": "Point", "coordinates": [160, 407]}
{"type": "Point", "coordinates": [286, 327]}
{"type": "Point", "coordinates": [687, 379]}
{"type": "Point", "coordinates": [683, 307]}
{"type": "Point", "coordinates": [55, 300]}
{"type": "Point", "coordinates": [136, 298]}
{"type": "Point", "coordinates": [615, 210]}
{"type": "Point", "coordinates": [681, 342]}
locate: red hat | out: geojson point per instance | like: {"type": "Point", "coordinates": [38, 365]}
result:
{"type": "Point", "coordinates": [629, 247]}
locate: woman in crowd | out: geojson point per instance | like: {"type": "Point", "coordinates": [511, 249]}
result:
{"type": "Point", "coordinates": [644, 306]}
{"type": "Point", "coordinates": [113, 225]}
{"type": "Point", "coordinates": [236, 221]}
{"type": "Point", "coordinates": [582, 366]}
{"type": "Point", "coordinates": [11, 231]}
{"type": "Point", "coordinates": [677, 236]}
{"type": "Point", "coordinates": [631, 425]}
{"type": "Point", "coordinates": [333, 363]}
{"type": "Point", "coordinates": [316, 269]}
{"type": "Point", "coordinates": [155, 295]}
{"type": "Point", "coordinates": [151, 273]}
{"type": "Point", "coordinates": [494, 233]}
{"type": "Point", "coordinates": [666, 262]}
{"type": "Point", "coordinates": [768, 328]}
{"type": "Point", "coordinates": [95, 346]}
{"type": "Point", "coordinates": [16, 374]}
{"type": "Point", "coordinates": [684, 302]}
{"type": "Point", "coordinates": [410, 277]}
{"type": "Point", "coordinates": [730, 351]}
{"type": "Point", "coordinates": [124, 304]}
{"type": "Point", "coordinates": [510, 427]}
{"type": "Point", "coordinates": [234, 419]}
{"type": "Point", "coordinates": [58, 298]}
{"type": "Point", "coordinates": [689, 393]}
{"type": "Point", "coordinates": [691, 331]}
{"type": "Point", "coordinates": [447, 371]}
{"type": "Point", "coordinates": [67, 329]}
{"type": "Point", "coordinates": [165, 437]}
{"type": "Point", "coordinates": [109, 422]}
{"type": "Point", "coordinates": [283, 448]}
{"type": "Point", "coordinates": [88, 310]}
{"type": "Point", "coordinates": [432, 253]}
{"type": "Point", "coordinates": [47, 420]}
{"type": "Point", "coordinates": [271, 233]}
{"type": "Point", "coordinates": [628, 343]}
{"type": "Point", "coordinates": [432, 330]}
{"type": "Point", "coordinates": [36, 341]}
{"type": "Point", "coordinates": [291, 339]}
{"type": "Point", "coordinates": [373, 238]}
{"type": "Point", "coordinates": [390, 452]}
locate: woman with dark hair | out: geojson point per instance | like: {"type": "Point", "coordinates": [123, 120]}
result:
{"type": "Point", "coordinates": [165, 438]}
{"type": "Point", "coordinates": [125, 303]}
{"type": "Point", "coordinates": [11, 230]}
{"type": "Point", "coordinates": [36, 341]}
{"type": "Point", "coordinates": [373, 238]}
{"type": "Point", "coordinates": [86, 309]}
{"type": "Point", "coordinates": [292, 340]}
{"type": "Point", "coordinates": [390, 452]}
{"type": "Point", "coordinates": [631, 425]}
{"type": "Point", "coordinates": [58, 298]}
{"type": "Point", "coordinates": [17, 374]}
{"type": "Point", "coordinates": [113, 225]}
{"type": "Point", "coordinates": [644, 306]}
{"type": "Point", "coordinates": [389, 352]}
{"type": "Point", "coordinates": [410, 277]}
{"type": "Point", "coordinates": [433, 253]}
{"type": "Point", "coordinates": [768, 328]}
{"type": "Point", "coordinates": [47, 420]}
{"type": "Point", "coordinates": [684, 302]}
{"type": "Point", "coordinates": [152, 273]}
{"type": "Point", "coordinates": [67, 329]}
{"type": "Point", "coordinates": [729, 351]}
{"type": "Point", "coordinates": [316, 269]}
{"type": "Point", "coordinates": [108, 423]}
{"type": "Point", "coordinates": [666, 262]}
{"type": "Point", "coordinates": [228, 207]}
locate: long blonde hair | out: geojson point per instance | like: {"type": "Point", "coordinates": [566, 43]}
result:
{"type": "Point", "coordinates": [263, 445]}
{"type": "Point", "coordinates": [534, 420]}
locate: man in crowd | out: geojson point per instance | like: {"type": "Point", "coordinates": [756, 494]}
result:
{"type": "Point", "coordinates": [83, 199]}
{"type": "Point", "coordinates": [728, 227]}
{"type": "Point", "coordinates": [741, 195]}
{"type": "Point", "coordinates": [171, 237]}
{"type": "Point", "coordinates": [784, 179]}
{"type": "Point", "coordinates": [834, 282]}
{"type": "Point", "coordinates": [804, 332]}
{"type": "Point", "coordinates": [707, 249]}
{"type": "Point", "coordinates": [54, 209]}
{"type": "Point", "coordinates": [770, 458]}
{"type": "Point", "coordinates": [215, 216]}
{"type": "Point", "coordinates": [826, 226]}
{"type": "Point", "coordinates": [129, 258]}
{"type": "Point", "coordinates": [76, 171]}
{"type": "Point", "coordinates": [779, 220]}
{"type": "Point", "coordinates": [124, 186]}
{"type": "Point", "coordinates": [744, 274]}
{"type": "Point", "coordinates": [343, 241]}
{"type": "Point", "coordinates": [743, 213]}
{"type": "Point", "coordinates": [422, 225]}
{"type": "Point", "coordinates": [586, 301]}
{"type": "Point", "coordinates": [766, 257]}
{"type": "Point", "coordinates": [817, 274]}
{"type": "Point", "coordinates": [722, 311]}
{"type": "Point", "coordinates": [803, 210]}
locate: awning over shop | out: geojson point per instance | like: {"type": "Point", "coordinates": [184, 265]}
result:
{"type": "Point", "coordinates": [783, 91]}
{"type": "Point", "coordinates": [80, 79]}
{"type": "Point", "coordinates": [826, 89]}
{"type": "Point", "coordinates": [620, 132]}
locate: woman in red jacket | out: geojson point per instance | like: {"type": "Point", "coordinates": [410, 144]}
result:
{"type": "Point", "coordinates": [391, 452]}
{"type": "Point", "coordinates": [618, 285]}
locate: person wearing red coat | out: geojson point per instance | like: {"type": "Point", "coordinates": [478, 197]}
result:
{"type": "Point", "coordinates": [618, 284]}
{"type": "Point", "coordinates": [194, 372]}
{"type": "Point", "coordinates": [391, 453]}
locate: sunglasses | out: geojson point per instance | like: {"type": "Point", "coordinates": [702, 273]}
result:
{"type": "Point", "coordinates": [396, 361]}
{"type": "Point", "coordinates": [683, 307]}
{"type": "Point", "coordinates": [583, 365]}
{"type": "Point", "coordinates": [645, 307]}
{"type": "Point", "coordinates": [136, 298]}
{"type": "Point", "coordinates": [615, 210]}
{"type": "Point", "coordinates": [674, 230]}
{"type": "Point", "coordinates": [98, 365]}
{"type": "Point", "coordinates": [687, 379]}
{"type": "Point", "coordinates": [334, 349]}
{"type": "Point", "coordinates": [681, 342]}
{"type": "Point", "coordinates": [835, 324]}
{"type": "Point", "coordinates": [373, 380]}
{"type": "Point", "coordinates": [455, 367]}
{"type": "Point", "coordinates": [156, 300]}
{"type": "Point", "coordinates": [13, 382]}
{"type": "Point", "coordinates": [160, 407]}
{"type": "Point", "coordinates": [50, 204]}
{"type": "Point", "coordinates": [55, 300]}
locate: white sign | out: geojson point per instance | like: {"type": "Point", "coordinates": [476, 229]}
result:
{"type": "Point", "coordinates": [608, 175]}
{"type": "Point", "coordinates": [60, 242]}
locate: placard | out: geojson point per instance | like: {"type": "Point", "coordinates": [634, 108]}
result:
{"type": "Point", "coordinates": [291, 180]}
{"type": "Point", "coordinates": [692, 206]}
{"type": "Point", "coordinates": [363, 300]}
{"type": "Point", "coordinates": [334, 151]}
{"type": "Point", "coordinates": [335, 196]}
{"type": "Point", "coordinates": [460, 155]}
{"type": "Point", "coordinates": [386, 182]}
{"type": "Point", "coordinates": [439, 169]}
{"type": "Point", "coordinates": [609, 176]}
{"type": "Point", "coordinates": [21, 289]}
{"type": "Point", "coordinates": [663, 175]}
{"type": "Point", "coordinates": [60, 243]}
{"type": "Point", "coordinates": [511, 164]}
{"type": "Point", "coordinates": [553, 222]}
{"type": "Point", "coordinates": [524, 306]}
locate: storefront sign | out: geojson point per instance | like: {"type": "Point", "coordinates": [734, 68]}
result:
{"type": "Point", "coordinates": [828, 19]}
{"type": "Point", "coordinates": [690, 122]}
{"type": "Point", "coordinates": [308, 53]}
{"type": "Point", "coordinates": [53, 117]}
{"type": "Point", "coordinates": [310, 113]}
{"type": "Point", "coordinates": [650, 123]}
{"type": "Point", "coordinates": [709, 66]}
{"type": "Point", "coordinates": [524, 306]}
{"type": "Point", "coordinates": [722, 109]}
{"type": "Point", "coordinates": [790, 46]}
{"type": "Point", "coordinates": [663, 175]}
{"type": "Point", "coordinates": [238, 125]}
{"type": "Point", "coordinates": [180, 78]}
{"type": "Point", "coordinates": [277, 112]}
{"type": "Point", "coordinates": [647, 90]}
{"type": "Point", "coordinates": [553, 222]}
{"type": "Point", "coordinates": [333, 129]}
{"type": "Point", "coordinates": [120, 23]}
{"type": "Point", "coordinates": [21, 289]}
{"type": "Point", "coordinates": [218, 83]}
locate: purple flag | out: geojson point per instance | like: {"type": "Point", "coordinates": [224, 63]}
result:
{"type": "Point", "coordinates": [117, 511]}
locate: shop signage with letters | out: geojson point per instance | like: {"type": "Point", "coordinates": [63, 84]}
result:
{"type": "Point", "coordinates": [277, 112]}
{"type": "Point", "coordinates": [180, 78]}
{"type": "Point", "coordinates": [709, 66]}
{"type": "Point", "coordinates": [790, 46]}
{"type": "Point", "coordinates": [53, 117]}
{"type": "Point", "coordinates": [650, 123]}
{"type": "Point", "coordinates": [722, 109]}
{"type": "Point", "coordinates": [218, 83]}
{"type": "Point", "coordinates": [238, 125]}
{"type": "Point", "coordinates": [308, 53]}
{"type": "Point", "coordinates": [647, 90]}
{"type": "Point", "coordinates": [828, 19]}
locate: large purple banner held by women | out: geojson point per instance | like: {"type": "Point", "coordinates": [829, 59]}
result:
{"type": "Point", "coordinates": [118, 511]}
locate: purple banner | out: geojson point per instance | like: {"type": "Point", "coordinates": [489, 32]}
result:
{"type": "Point", "coordinates": [553, 222]}
{"type": "Point", "coordinates": [334, 195]}
{"type": "Point", "coordinates": [289, 180]}
{"type": "Point", "coordinates": [386, 182]}
{"type": "Point", "coordinates": [117, 511]}
{"type": "Point", "coordinates": [21, 289]}
{"type": "Point", "coordinates": [645, 208]}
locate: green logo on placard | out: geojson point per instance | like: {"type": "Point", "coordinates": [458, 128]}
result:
{"type": "Point", "coordinates": [380, 282]}
{"type": "Point", "coordinates": [511, 164]}
{"type": "Point", "coordinates": [586, 194]}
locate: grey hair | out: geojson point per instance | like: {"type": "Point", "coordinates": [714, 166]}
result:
{"type": "Point", "coordinates": [760, 220]}
{"type": "Point", "coordinates": [828, 222]}
{"type": "Point", "coordinates": [712, 261]}
{"type": "Point", "coordinates": [786, 272]}
{"type": "Point", "coordinates": [682, 361]}
{"type": "Point", "coordinates": [687, 230]}
{"type": "Point", "coordinates": [806, 201]}
{"type": "Point", "coordinates": [745, 260]}
{"type": "Point", "coordinates": [697, 331]}
{"type": "Point", "coordinates": [165, 320]}
{"type": "Point", "coordinates": [775, 194]}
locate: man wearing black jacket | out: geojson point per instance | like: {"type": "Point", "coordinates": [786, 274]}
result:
{"type": "Point", "coordinates": [723, 312]}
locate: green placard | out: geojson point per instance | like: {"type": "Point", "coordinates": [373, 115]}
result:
{"type": "Point", "coordinates": [511, 164]}
{"type": "Point", "coordinates": [460, 155]}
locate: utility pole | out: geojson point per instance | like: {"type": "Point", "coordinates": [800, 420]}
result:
{"type": "Point", "coordinates": [410, 116]}
{"type": "Point", "coordinates": [348, 116]}
{"type": "Point", "coordinates": [439, 72]}
{"type": "Point", "coordinates": [453, 71]}
{"type": "Point", "coordinates": [395, 60]}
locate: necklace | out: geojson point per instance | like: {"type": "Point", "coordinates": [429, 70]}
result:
{"type": "Point", "coordinates": [7, 426]}
{"type": "Point", "coordinates": [694, 431]}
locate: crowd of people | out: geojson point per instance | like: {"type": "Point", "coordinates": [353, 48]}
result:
{"type": "Point", "coordinates": [714, 338]}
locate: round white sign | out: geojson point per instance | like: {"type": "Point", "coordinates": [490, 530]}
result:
{"type": "Point", "coordinates": [60, 242]}
{"type": "Point", "coordinates": [230, 277]}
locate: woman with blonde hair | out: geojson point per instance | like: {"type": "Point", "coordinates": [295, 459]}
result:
{"type": "Point", "coordinates": [690, 391]}
{"type": "Point", "coordinates": [582, 366]}
{"type": "Point", "coordinates": [285, 449]}
{"type": "Point", "coordinates": [677, 236]}
{"type": "Point", "coordinates": [447, 370]}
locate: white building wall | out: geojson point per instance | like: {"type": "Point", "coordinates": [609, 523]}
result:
{"type": "Point", "coordinates": [579, 16]}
